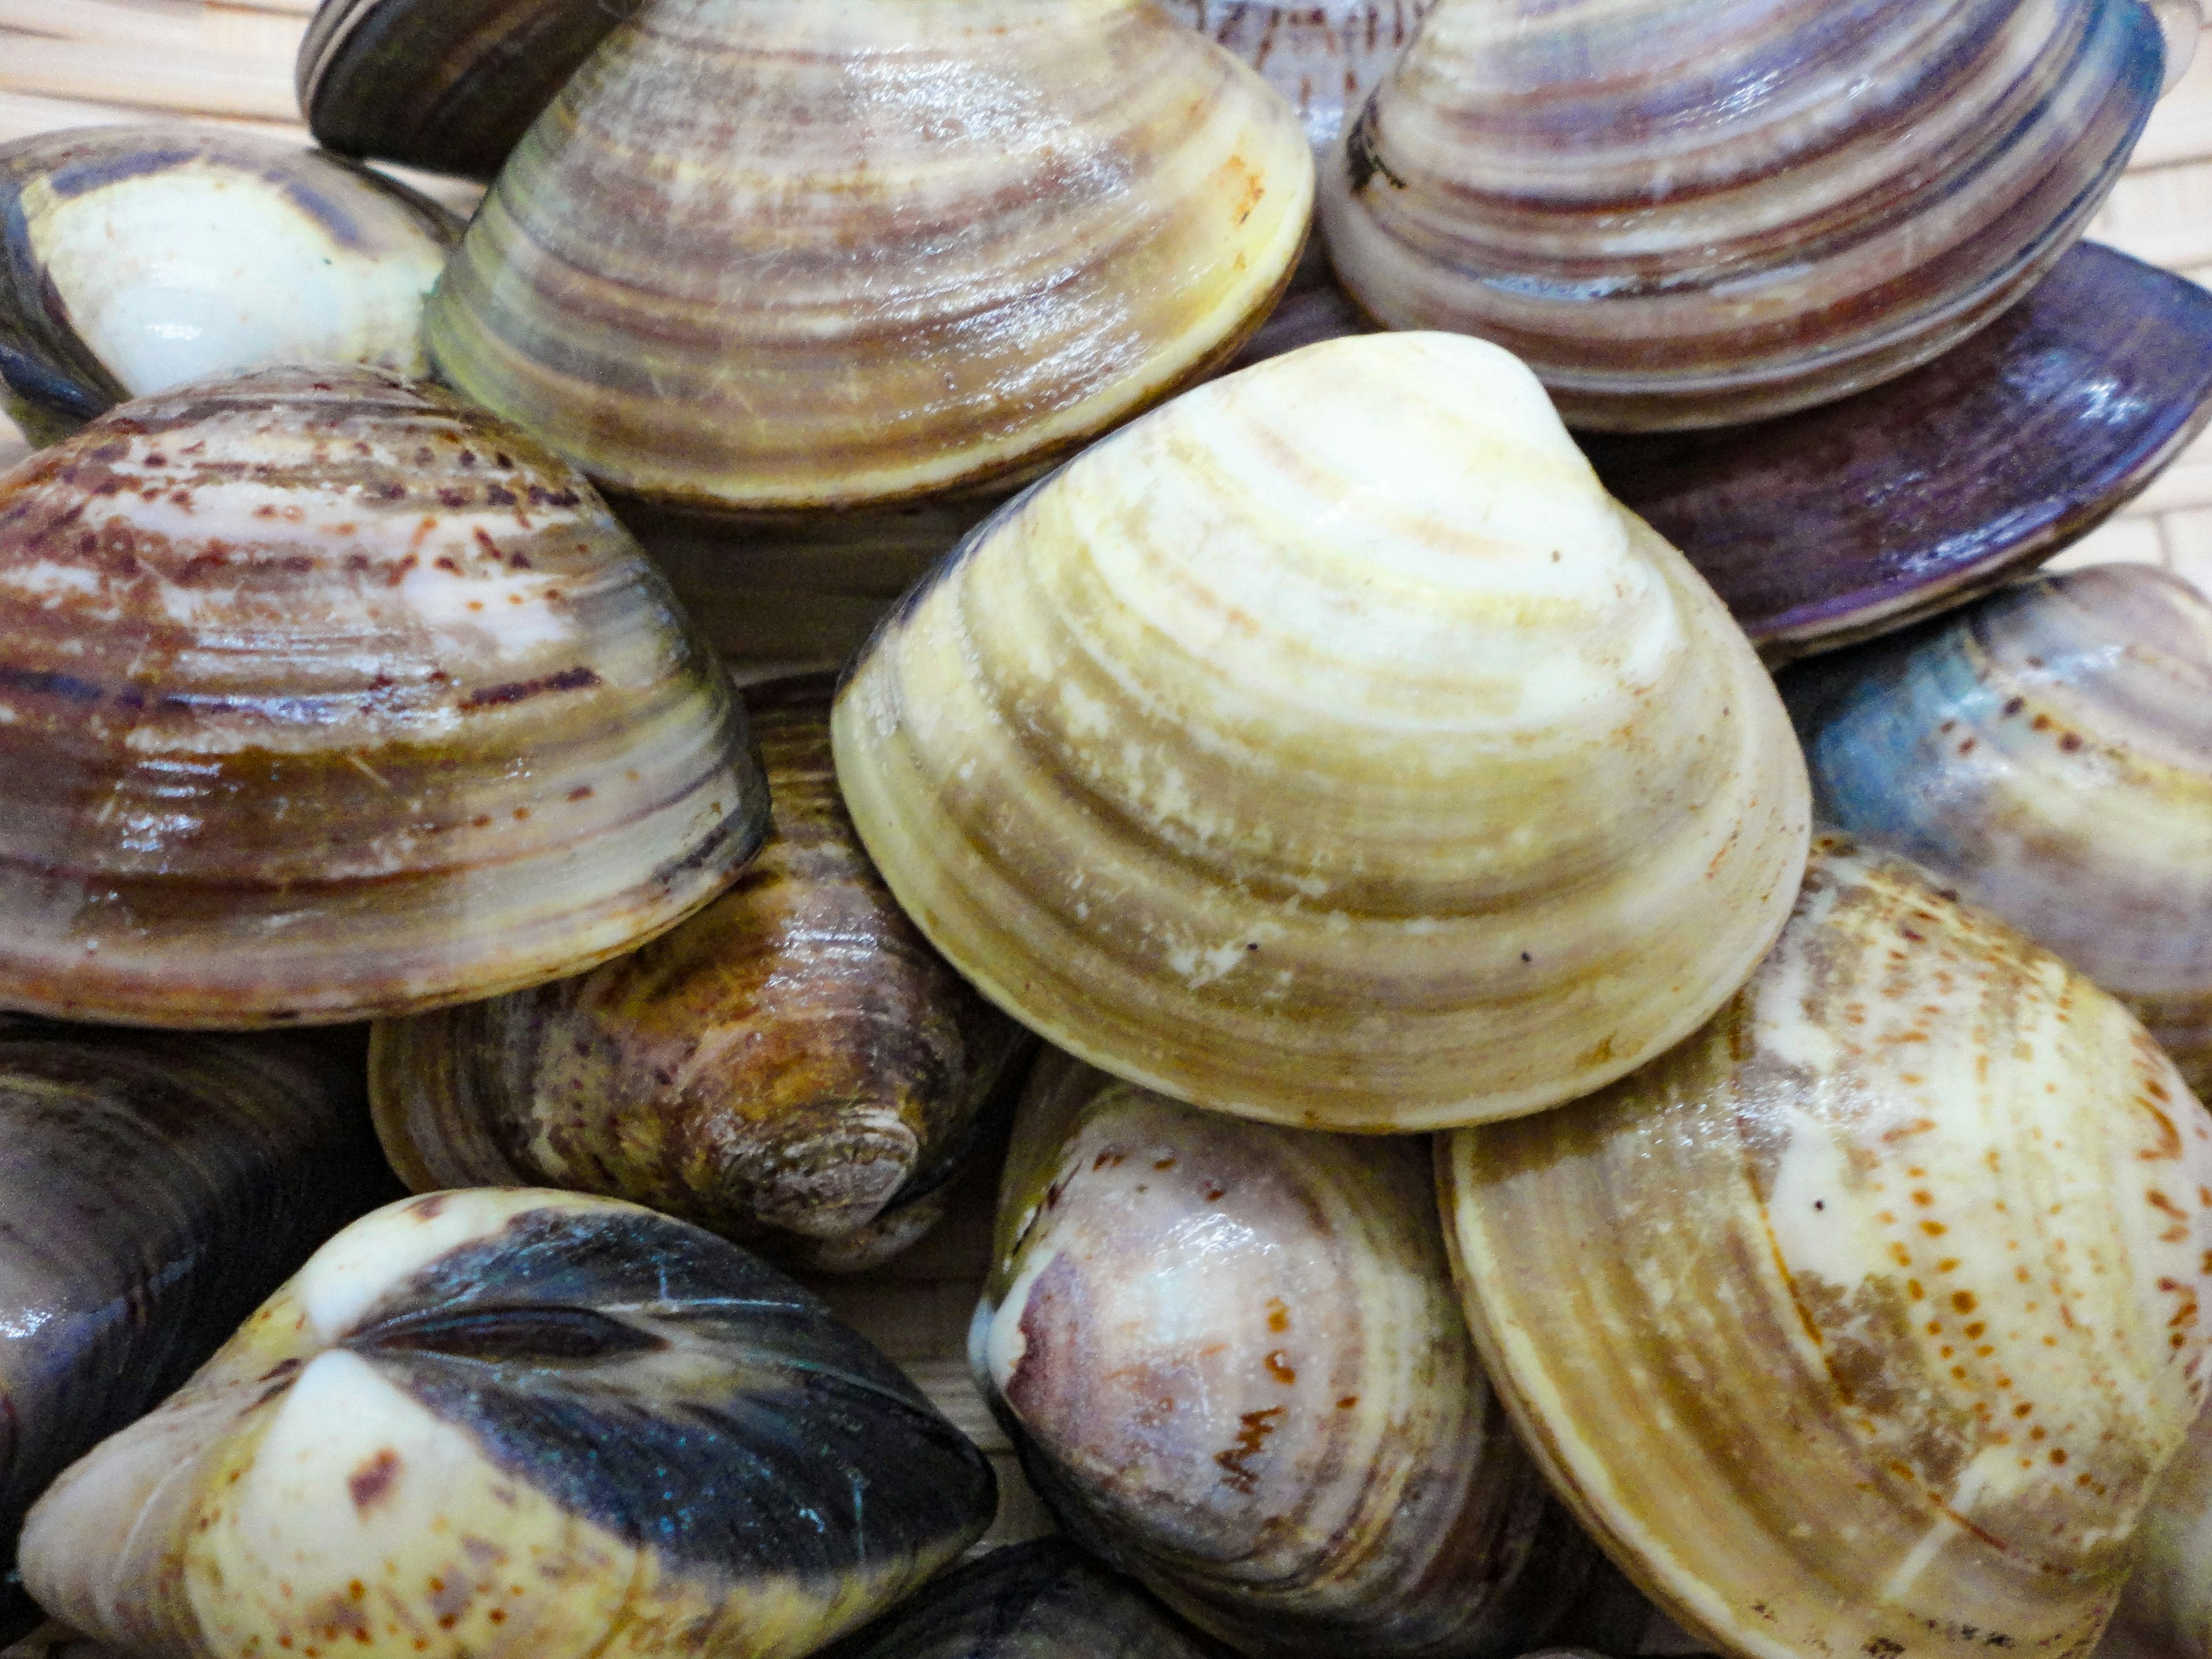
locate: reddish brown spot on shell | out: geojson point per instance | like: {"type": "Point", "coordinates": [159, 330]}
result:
{"type": "Point", "coordinates": [372, 1482]}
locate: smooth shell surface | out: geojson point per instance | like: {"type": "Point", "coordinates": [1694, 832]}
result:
{"type": "Point", "coordinates": [1043, 1600]}
{"type": "Point", "coordinates": [1863, 516]}
{"type": "Point", "coordinates": [1691, 212]}
{"type": "Point", "coordinates": [2166, 1612]}
{"type": "Point", "coordinates": [450, 85]}
{"type": "Point", "coordinates": [2048, 753]}
{"type": "Point", "coordinates": [138, 258]}
{"type": "Point", "coordinates": [323, 695]}
{"type": "Point", "coordinates": [1866, 1321]}
{"type": "Point", "coordinates": [1329, 748]}
{"type": "Point", "coordinates": [515, 1423]}
{"type": "Point", "coordinates": [793, 1067]}
{"type": "Point", "coordinates": [771, 254]}
{"type": "Point", "coordinates": [1233, 1362]}
{"type": "Point", "coordinates": [153, 1189]}
{"type": "Point", "coordinates": [1322, 58]}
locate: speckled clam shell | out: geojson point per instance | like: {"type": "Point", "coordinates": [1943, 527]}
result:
{"type": "Point", "coordinates": [770, 254]}
{"type": "Point", "coordinates": [1232, 1358]}
{"type": "Point", "coordinates": [504, 1424]}
{"type": "Point", "coordinates": [1329, 748]}
{"type": "Point", "coordinates": [793, 1067]}
{"type": "Point", "coordinates": [2048, 753]}
{"type": "Point", "coordinates": [138, 258]}
{"type": "Point", "coordinates": [153, 1189]}
{"type": "Point", "coordinates": [450, 85]}
{"type": "Point", "coordinates": [1322, 58]}
{"type": "Point", "coordinates": [1865, 515]}
{"type": "Point", "coordinates": [1866, 1321]}
{"type": "Point", "coordinates": [323, 696]}
{"type": "Point", "coordinates": [1043, 1600]}
{"type": "Point", "coordinates": [1691, 212]}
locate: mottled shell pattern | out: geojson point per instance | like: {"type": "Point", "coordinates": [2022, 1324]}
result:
{"type": "Point", "coordinates": [2048, 753]}
{"type": "Point", "coordinates": [793, 1067]}
{"type": "Point", "coordinates": [508, 1424]}
{"type": "Point", "coordinates": [323, 695]}
{"type": "Point", "coordinates": [1329, 748]}
{"type": "Point", "coordinates": [1322, 58]}
{"type": "Point", "coordinates": [1690, 212]}
{"type": "Point", "coordinates": [138, 258]}
{"type": "Point", "coordinates": [1866, 1321]}
{"type": "Point", "coordinates": [690, 275]}
{"type": "Point", "coordinates": [1231, 1357]}
{"type": "Point", "coordinates": [153, 1190]}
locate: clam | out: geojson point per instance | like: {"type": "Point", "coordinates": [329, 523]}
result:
{"type": "Point", "coordinates": [793, 1067]}
{"type": "Point", "coordinates": [138, 258]}
{"type": "Point", "coordinates": [2047, 753]}
{"type": "Point", "coordinates": [450, 85]}
{"type": "Point", "coordinates": [515, 1423]}
{"type": "Point", "coordinates": [2166, 1612]}
{"type": "Point", "coordinates": [323, 695]}
{"type": "Point", "coordinates": [1043, 1599]}
{"type": "Point", "coordinates": [774, 255]}
{"type": "Point", "coordinates": [153, 1189]}
{"type": "Point", "coordinates": [1686, 212]}
{"type": "Point", "coordinates": [1233, 1362]}
{"type": "Point", "coordinates": [1329, 748]}
{"type": "Point", "coordinates": [1866, 1319]}
{"type": "Point", "coordinates": [1323, 58]}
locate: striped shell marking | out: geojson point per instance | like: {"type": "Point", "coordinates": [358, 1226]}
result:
{"type": "Point", "coordinates": [772, 254]}
{"type": "Point", "coordinates": [1866, 1321]}
{"type": "Point", "coordinates": [1322, 58]}
{"type": "Point", "coordinates": [323, 696]}
{"type": "Point", "coordinates": [1329, 748]}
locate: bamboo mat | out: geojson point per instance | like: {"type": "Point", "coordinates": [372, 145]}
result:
{"type": "Point", "coordinates": [73, 63]}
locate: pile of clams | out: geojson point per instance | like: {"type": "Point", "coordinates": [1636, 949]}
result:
{"type": "Point", "coordinates": [1520, 1124]}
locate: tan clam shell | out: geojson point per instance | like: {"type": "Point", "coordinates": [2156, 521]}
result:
{"type": "Point", "coordinates": [1329, 748]}
{"type": "Point", "coordinates": [323, 695]}
{"type": "Point", "coordinates": [772, 254]}
{"type": "Point", "coordinates": [1866, 1321]}
{"type": "Point", "coordinates": [1233, 1359]}
{"type": "Point", "coordinates": [2166, 1612]}
{"type": "Point", "coordinates": [793, 1067]}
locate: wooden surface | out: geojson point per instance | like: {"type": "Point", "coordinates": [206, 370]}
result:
{"type": "Point", "coordinates": [71, 62]}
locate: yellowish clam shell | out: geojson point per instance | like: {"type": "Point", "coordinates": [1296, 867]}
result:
{"type": "Point", "coordinates": [1865, 1321]}
{"type": "Point", "coordinates": [1329, 748]}
{"type": "Point", "coordinates": [767, 254]}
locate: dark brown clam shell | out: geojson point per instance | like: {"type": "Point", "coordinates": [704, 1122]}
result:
{"type": "Point", "coordinates": [450, 85]}
{"type": "Point", "coordinates": [1852, 519]}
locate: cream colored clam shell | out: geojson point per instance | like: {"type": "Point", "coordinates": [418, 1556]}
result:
{"type": "Point", "coordinates": [1865, 1321]}
{"type": "Point", "coordinates": [1329, 748]}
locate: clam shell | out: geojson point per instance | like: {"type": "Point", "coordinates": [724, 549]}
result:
{"type": "Point", "coordinates": [323, 695]}
{"type": "Point", "coordinates": [2166, 1612]}
{"type": "Point", "coordinates": [450, 85]}
{"type": "Point", "coordinates": [793, 1067]}
{"type": "Point", "coordinates": [1692, 212]}
{"type": "Point", "coordinates": [775, 255]}
{"type": "Point", "coordinates": [1037, 1601]}
{"type": "Point", "coordinates": [1322, 58]}
{"type": "Point", "coordinates": [153, 1189]}
{"type": "Point", "coordinates": [509, 1423]}
{"type": "Point", "coordinates": [1858, 518]}
{"type": "Point", "coordinates": [2047, 753]}
{"type": "Point", "coordinates": [1329, 748]}
{"type": "Point", "coordinates": [1866, 1321]}
{"type": "Point", "coordinates": [1231, 1356]}
{"type": "Point", "coordinates": [138, 258]}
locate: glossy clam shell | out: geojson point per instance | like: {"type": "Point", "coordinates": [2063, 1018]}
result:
{"type": "Point", "coordinates": [793, 1067]}
{"type": "Point", "coordinates": [138, 258]}
{"type": "Point", "coordinates": [1329, 748]}
{"type": "Point", "coordinates": [1322, 58]}
{"type": "Point", "coordinates": [450, 85]}
{"type": "Point", "coordinates": [153, 1189]}
{"type": "Point", "coordinates": [1232, 1358]}
{"type": "Point", "coordinates": [1043, 1599]}
{"type": "Point", "coordinates": [516, 1423]}
{"type": "Point", "coordinates": [2048, 753]}
{"type": "Point", "coordinates": [322, 696]}
{"type": "Point", "coordinates": [1693, 212]}
{"type": "Point", "coordinates": [1866, 1319]}
{"type": "Point", "coordinates": [770, 254]}
{"type": "Point", "coordinates": [1856, 518]}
